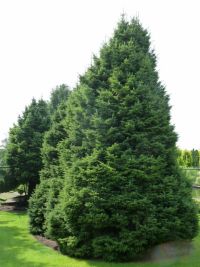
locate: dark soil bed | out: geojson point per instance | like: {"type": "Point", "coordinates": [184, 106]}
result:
{"type": "Point", "coordinates": [47, 242]}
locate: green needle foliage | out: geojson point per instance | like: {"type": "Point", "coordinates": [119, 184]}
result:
{"type": "Point", "coordinates": [58, 95]}
{"type": "Point", "coordinates": [123, 191]}
{"type": "Point", "coordinates": [23, 150]}
{"type": "Point", "coordinates": [46, 193]}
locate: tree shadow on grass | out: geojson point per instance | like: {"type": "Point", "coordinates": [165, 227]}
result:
{"type": "Point", "coordinates": [11, 249]}
{"type": "Point", "coordinates": [18, 249]}
{"type": "Point", "coordinates": [15, 242]}
{"type": "Point", "coordinates": [4, 222]}
{"type": "Point", "coordinates": [166, 254]}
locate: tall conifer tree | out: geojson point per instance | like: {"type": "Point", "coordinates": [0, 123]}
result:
{"type": "Point", "coordinates": [123, 190]}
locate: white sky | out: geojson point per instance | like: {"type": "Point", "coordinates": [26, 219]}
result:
{"type": "Point", "coordinates": [44, 43]}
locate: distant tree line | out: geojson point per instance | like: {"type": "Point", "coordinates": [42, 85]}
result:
{"type": "Point", "coordinates": [188, 158]}
{"type": "Point", "coordinates": [100, 162]}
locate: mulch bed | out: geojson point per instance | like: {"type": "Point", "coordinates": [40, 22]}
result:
{"type": "Point", "coordinates": [47, 242]}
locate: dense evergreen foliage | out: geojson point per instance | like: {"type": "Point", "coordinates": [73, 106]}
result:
{"type": "Point", "coordinates": [56, 132]}
{"type": "Point", "coordinates": [23, 151]}
{"type": "Point", "coordinates": [58, 95]}
{"type": "Point", "coordinates": [123, 191]}
{"type": "Point", "coordinates": [46, 193]}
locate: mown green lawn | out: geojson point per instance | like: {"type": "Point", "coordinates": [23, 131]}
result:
{"type": "Point", "coordinates": [19, 249]}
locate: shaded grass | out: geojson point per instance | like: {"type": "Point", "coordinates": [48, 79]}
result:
{"type": "Point", "coordinates": [19, 249]}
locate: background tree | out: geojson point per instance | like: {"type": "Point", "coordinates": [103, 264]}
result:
{"type": "Point", "coordinates": [58, 95]}
{"type": "Point", "coordinates": [51, 175]}
{"type": "Point", "coordinates": [123, 189]}
{"type": "Point", "coordinates": [188, 158]}
{"type": "Point", "coordinates": [195, 158]}
{"type": "Point", "coordinates": [56, 133]}
{"type": "Point", "coordinates": [5, 184]}
{"type": "Point", "coordinates": [180, 158]}
{"type": "Point", "coordinates": [24, 145]}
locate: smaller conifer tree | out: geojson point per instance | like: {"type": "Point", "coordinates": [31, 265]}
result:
{"type": "Point", "coordinates": [51, 175]}
{"type": "Point", "coordinates": [23, 151]}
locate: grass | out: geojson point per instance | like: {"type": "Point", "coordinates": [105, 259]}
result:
{"type": "Point", "coordinates": [19, 249]}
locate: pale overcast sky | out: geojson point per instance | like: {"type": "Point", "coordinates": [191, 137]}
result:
{"type": "Point", "coordinates": [44, 43]}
